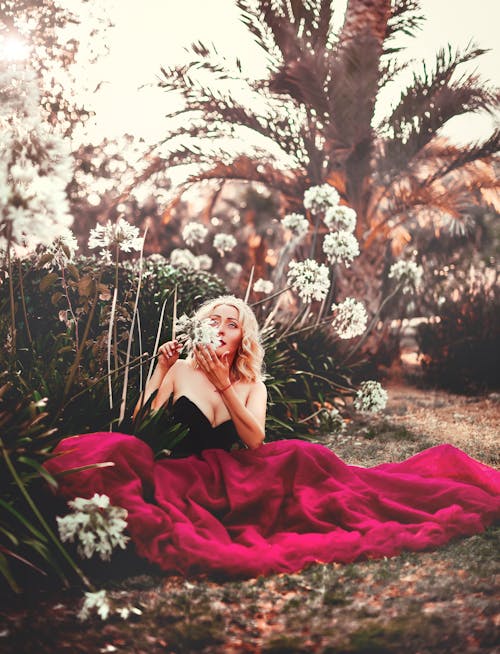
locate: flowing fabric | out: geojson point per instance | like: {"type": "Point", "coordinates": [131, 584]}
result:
{"type": "Point", "coordinates": [281, 506]}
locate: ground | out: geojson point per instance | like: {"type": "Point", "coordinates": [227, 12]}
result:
{"type": "Point", "coordinates": [439, 602]}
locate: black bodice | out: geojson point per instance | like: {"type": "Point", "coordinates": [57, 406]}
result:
{"type": "Point", "coordinates": [201, 435]}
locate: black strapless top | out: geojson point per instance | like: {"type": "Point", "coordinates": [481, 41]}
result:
{"type": "Point", "coordinates": [201, 435]}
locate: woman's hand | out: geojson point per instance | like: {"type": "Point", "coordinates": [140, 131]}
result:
{"type": "Point", "coordinates": [168, 353]}
{"type": "Point", "coordinates": [215, 368]}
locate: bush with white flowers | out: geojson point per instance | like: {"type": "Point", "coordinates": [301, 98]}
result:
{"type": "Point", "coordinates": [408, 274]}
{"type": "Point", "coordinates": [370, 397]}
{"type": "Point", "coordinates": [35, 166]}
{"type": "Point", "coordinates": [95, 525]}
{"type": "Point", "coordinates": [350, 318]}
{"type": "Point", "coordinates": [341, 247]}
{"type": "Point", "coordinates": [263, 286]}
{"type": "Point", "coordinates": [318, 198]}
{"type": "Point", "coordinates": [309, 279]}
{"type": "Point", "coordinates": [340, 217]}
{"type": "Point", "coordinates": [224, 243]}
{"type": "Point", "coordinates": [296, 223]}
{"type": "Point", "coordinates": [194, 232]}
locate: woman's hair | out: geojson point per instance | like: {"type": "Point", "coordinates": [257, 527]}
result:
{"type": "Point", "coordinates": [248, 362]}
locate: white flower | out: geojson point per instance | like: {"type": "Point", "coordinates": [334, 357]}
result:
{"type": "Point", "coordinates": [95, 525]}
{"type": "Point", "coordinates": [296, 223]}
{"type": "Point", "coordinates": [233, 269]}
{"type": "Point", "coordinates": [263, 286]}
{"type": "Point", "coordinates": [63, 249]}
{"type": "Point", "coordinates": [341, 247]}
{"type": "Point", "coordinates": [370, 397]}
{"type": "Point", "coordinates": [191, 332]}
{"type": "Point", "coordinates": [35, 166]}
{"type": "Point", "coordinates": [98, 600]}
{"type": "Point", "coordinates": [204, 262]}
{"type": "Point", "coordinates": [408, 274]}
{"type": "Point", "coordinates": [340, 218]}
{"type": "Point", "coordinates": [112, 235]}
{"type": "Point", "coordinates": [350, 318]}
{"type": "Point", "coordinates": [309, 279]}
{"type": "Point", "coordinates": [331, 421]}
{"type": "Point", "coordinates": [319, 198]}
{"type": "Point", "coordinates": [157, 259]}
{"type": "Point", "coordinates": [180, 258]}
{"type": "Point", "coordinates": [194, 233]}
{"type": "Point", "coordinates": [224, 243]}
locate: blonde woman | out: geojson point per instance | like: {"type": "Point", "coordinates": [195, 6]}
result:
{"type": "Point", "coordinates": [217, 392]}
{"type": "Point", "coordinates": [231, 505]}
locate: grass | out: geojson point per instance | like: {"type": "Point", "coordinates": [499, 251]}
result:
{"type": "Point", "coordinates": [432, 602]}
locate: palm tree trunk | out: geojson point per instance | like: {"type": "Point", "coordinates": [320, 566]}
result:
{"type": "Point", "coordinates": [357, 74]}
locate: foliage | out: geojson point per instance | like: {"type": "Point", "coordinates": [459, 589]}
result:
{"type": "Point", "coordinates": [67, 311]}
{"type": "Point", "coordinates": [460, 344]}
{"type": "Point", "coordinates": [312, 121]}
{"type": "Point", "coordinates": [28, 545]}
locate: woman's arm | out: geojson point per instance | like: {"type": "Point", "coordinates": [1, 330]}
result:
{"type": "Point", "coordinates": [167, 356]}
{"type": "Point", "coordinates": [248, 419]}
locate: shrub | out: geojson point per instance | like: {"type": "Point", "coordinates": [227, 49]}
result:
{"type": "Point", "coordinates": [64, 325]}
{"type": "Point", "coordinates": [460, 345]}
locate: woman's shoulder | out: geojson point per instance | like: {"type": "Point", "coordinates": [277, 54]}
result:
{"type": "Point", "coordinates": [256, 388]}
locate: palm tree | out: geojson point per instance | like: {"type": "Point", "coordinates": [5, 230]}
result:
{"type": "Point", "coordinates": [312, 119]}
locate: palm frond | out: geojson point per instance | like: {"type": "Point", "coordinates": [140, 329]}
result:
{"type": "Point", "coordinates": [429, 102]}
{"type": "Point", "coordinates": [406, 18]}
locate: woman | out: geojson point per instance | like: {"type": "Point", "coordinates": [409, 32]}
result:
{"type": "Point", "coordinates": [266, 507]}
{"type": "Point", "coordinates": [223, 385]}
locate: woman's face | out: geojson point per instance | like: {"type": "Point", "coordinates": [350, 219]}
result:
{"type": "Point", "coordinates": [226, 318]}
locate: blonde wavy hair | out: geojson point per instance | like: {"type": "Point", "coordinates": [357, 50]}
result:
{"type": "Point", "coordinates": [248, 362]}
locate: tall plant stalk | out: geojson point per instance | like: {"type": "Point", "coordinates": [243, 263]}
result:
{"type": "Point", "coordinates": [23, 303]}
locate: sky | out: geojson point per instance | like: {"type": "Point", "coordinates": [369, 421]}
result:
{"type": "Point", "coordinates": [153, 33]}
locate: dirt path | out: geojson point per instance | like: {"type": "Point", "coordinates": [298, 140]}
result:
{"type": "Point", "coordinates": [469, 422]}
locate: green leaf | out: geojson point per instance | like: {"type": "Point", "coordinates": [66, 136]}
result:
{"type": "Point", "coordinates": [23, 520]}
{"type": "Point", "coordinates": [5, 570]}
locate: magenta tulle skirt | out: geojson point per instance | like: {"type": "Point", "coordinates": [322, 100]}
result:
{"type": "Point", "coordinates": [280, 507]}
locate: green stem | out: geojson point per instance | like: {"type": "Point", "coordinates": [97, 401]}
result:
{"type": "Point", "coordinates": [367, 332]}
{"type": "Point", "coordinates": [11, 299]}
{"type": "Point", "coordinates": [41, 519]}
{"type": "Point", "coordinates": [79, 352]}
{"type": "Point", "coordinates": [23, 302]}
{"type": "Point", "coordinates": [115, 324]}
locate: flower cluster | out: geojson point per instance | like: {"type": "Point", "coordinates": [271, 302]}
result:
{"type": "Point", "coordinates": [233, 269]}
{"type": "Point", "coordinates": [96, 525]}
{"type": "Point", "coordinates": [309, 279]}
{"type": "Point", "coordinates": [370, 397]}
{"type": "Point", "coordinates": [341, 247]}
{"type": "Point", "coordinates": [350, 318]}
{"type": "Point", "coordinates": [104, 605]}
{"type": "Point", "coordinates": [340, 218]}
{"type": "Point", "coordinates": [331, 421]}
{"type": "Point", "coordinates": [408, 274]}
{"type": "Point", "coordinates": [121, 235]}
{"type": "Point", "coordinates": [191, 332]}
{"type": "Point", "coordinates": [224, 243]}
{"type": "Point", "coordinates": [182, 258]}
{"type": "Point", "coordinates": [62, 250]}
{"type": "Point", "coordinates": [263, 286]}
{"type": "Point", "coordinates": [296, 223]}
{"type": "Point", "coordinates": [319, 198]}
{"type": "Point", "coordinates": [204, 261]}
{"type": "Point", "coordinates": [35, 167]}
{"type": "Point", "coordinates": [194, 233]}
